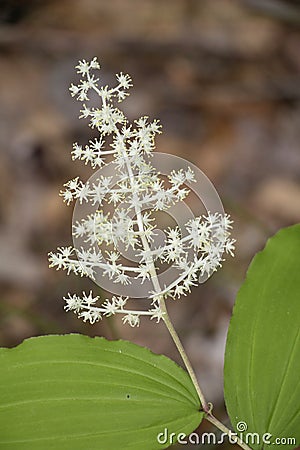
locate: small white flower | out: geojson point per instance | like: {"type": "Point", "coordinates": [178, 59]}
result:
{"type": "Point", "coordinates": [67, 196]}
{"type": "Point", "coordinates": [125, 81]}
{"type": "Point", "coordinates": [177, 178]}
{"type": "Point", "coordinates": [74, 90]}
{"type": "Point", "coordinates": [94, 64]}
{"type": "Point", "coordinates": [83, 193]}
{"type": "Point", "coordinates": [90, 316]}
{"type": "Point", "coordinates": [120, 302]}
{"type": "Point", "coordinates": [132, 319]}
{"type": "Point", "coordinates": [189, 175]}
{"type": "Point", "coordinates": [156, 313]}
{"type": "Point", "coordinates": [83, 67]}
{"type": "Point", "coordinates": [85, 112]}
{"type": "Point", "coordinates": [110, 308]}
{"type": "Point", "coordinates": [122, 278]}
{"type": "Point", "coordinates": [73, 303]}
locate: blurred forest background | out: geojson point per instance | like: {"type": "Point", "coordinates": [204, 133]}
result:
{"type": "Point", "coordinates": [223, 78]}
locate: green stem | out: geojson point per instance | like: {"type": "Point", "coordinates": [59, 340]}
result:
{"type": "Point", "coordinates": [207, 407]}
{"type": "Point", "coordinates": [226, 430]}
{"type": "Point", "coordinates": [185, 359]}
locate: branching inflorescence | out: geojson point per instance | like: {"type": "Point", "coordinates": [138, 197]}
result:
{"type": "Point", "coordinates": [135, 192]}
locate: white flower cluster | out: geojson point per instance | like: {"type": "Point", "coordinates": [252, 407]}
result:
{"type": "Point", "coordinates": [135, 191]}
{"type": "Point", "coordinates": [87, 309]}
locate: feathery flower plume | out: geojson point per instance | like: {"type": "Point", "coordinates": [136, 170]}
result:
{"type": "Point", "coordinates": [136, 192]}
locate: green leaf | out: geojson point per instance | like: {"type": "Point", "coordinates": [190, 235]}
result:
{"type": "Point", "coordinates": [262, 360]}
{"type": "Point", "coordinates": [73, 392]}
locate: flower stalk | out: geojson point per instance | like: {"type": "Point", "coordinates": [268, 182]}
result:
{"type": "Point", "coordinates": [136, 190]}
